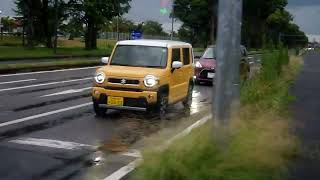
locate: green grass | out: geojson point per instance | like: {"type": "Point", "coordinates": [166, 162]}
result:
{"type": "Point", "coordinates": [11, 47]}
{"type": "Point", "coordinates": [47, 65]}
{"type": "Point", "coordinates": [11, 41]}
{"type": "Point", "coordinates": [198, 49]}
{"type": "Point", "coordinates": [20, 52]}
{"type": "Point", "coordinates": [260, 141]}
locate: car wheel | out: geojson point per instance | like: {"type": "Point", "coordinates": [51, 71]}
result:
{"type": "Point", "coordinates": [98, 110]}
{"type": "Point", "coordinates": [162, 105]}
{"type": "Point", "coordinates": [197, 82]}
{"type": "Point", "coordinates": [188, 101]}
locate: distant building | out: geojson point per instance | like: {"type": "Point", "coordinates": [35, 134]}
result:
{"type": "Point", "coordinates": [15, 25]}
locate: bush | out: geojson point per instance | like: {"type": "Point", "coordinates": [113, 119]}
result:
{"type": "Point", "coordinates": [260, 141]}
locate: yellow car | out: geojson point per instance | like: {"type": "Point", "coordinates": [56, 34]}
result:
{"type": "Point", "coordinates": [144, 75]}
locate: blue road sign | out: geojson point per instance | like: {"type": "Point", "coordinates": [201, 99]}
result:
{"type": "Point", "coordinates": [136, 34]}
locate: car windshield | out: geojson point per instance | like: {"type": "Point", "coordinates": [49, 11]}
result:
{"type": "Point", "coordinates": [140, 56]}
{"type": "Point", "coordinates": [210, 53]}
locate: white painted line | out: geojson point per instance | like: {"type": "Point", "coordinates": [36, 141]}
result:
{"type": "Point", "coordinates": [70, 91]}
{"type": "Point", "coordinates": [52, 143]}
{"type": "Point", "coordinates": [42, 72]}
{"type": "Point", "coordinates": [122, 172]}
{"type": "Point", "coordinates": [45, 84]}
{"type": "Point", "coordinates": [11, 82]}
{"type": "Point", "coordinates": [44, 114]}
{"type": "Point", "coordinates": [132, 153]}
{"type": "Point", "coordinates": [188, 130]}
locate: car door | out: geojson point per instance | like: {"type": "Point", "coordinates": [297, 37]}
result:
{"type": "Point", "coordinates": [187, 70]}
{"type": "Point", "coordinates": [176, 79]}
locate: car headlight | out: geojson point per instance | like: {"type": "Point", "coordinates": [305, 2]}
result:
{"type": "Point", "coordinates": [198, 64]}
{"type": "Point", "coordinates": [150, 81]}
{"type": "Point", "coordinates": [99, 77]}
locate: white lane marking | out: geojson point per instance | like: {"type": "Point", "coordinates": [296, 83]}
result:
{"type": "Point", "coordinates": [70, 91]}
{"type": "Point", "coordinates": [132, 153]}
{"type": "Point", "coordinates": [42, 72]}
{"type": "Point", "coordinates": [188, 130]}
{"type": "Point", "coordinates": [44, 114]}
{"type": "Point", "coordinates": [122, 172]}
{"type": "Point", "coordinates": [52, 143]}
{"type": "Point", "coordinates": [44, 84]}
{"type": "Point", "coordinates": [11, 82]}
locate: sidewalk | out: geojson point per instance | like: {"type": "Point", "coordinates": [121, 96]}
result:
{"type": "Point", "coordinates": [306, 111]}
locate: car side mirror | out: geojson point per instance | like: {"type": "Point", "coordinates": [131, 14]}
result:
{"type": "Point", "coordinates": [176, 65]}
{"type": "Point", "coordinates": [105, 60]}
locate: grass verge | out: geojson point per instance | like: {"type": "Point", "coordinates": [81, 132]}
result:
{"type": "Point", "coordinates": [7, 68]}
{"type": "Point", "coordinates": [260, 141]}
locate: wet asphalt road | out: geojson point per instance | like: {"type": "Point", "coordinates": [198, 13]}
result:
{"type": "Point", "coordinates": [306, 119]}
{"type": "Point", "coordinates": [48, 129]}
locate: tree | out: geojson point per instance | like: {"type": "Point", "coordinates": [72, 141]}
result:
{"type": "Point", "coordinates": [125, 25]}
{"type": "Point", "coordinates": [186, 34]}
{"type": "Point", "coordinates": [261, 18]}
{"type": "Point", "coordinates": [73, 28]}
{"type": "Point", "coordinates": [7, 23]}
{"type": "Point", "coordinates": [39, 19]}
{"type": "Point", "coordinates": [95, 13]}
{"type": "Point", "coordinates": [153, 28]}
{"type": "Point", "coordinates": [255, 14]}
{"type": "Point", "coordinates": [196, 16]}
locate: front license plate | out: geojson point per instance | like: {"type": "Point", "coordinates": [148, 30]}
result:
{"type": "Point", "coordinates": [211, 75]}
{"type": "Point", "coordinates": [115, 101]}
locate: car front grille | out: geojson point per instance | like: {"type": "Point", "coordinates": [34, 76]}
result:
{"type": "Point", "coordinates": [123, 81]}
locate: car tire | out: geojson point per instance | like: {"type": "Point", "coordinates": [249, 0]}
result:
{"type": "Point", "coordinates": [100, 112]}
{"type": "Point", "coordinates": [188, 101]}
{"type": "Point", "coordinates": [162, 105]}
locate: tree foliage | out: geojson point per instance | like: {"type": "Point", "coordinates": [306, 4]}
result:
{"type": "Point", "coordinates": [95, 13]}
{"type": "Point", "coordinates": [153, 28]}
{"type": "Point", "coordinates": [39, 19]}
{"type": "Point", "coordinates": [261, 18]}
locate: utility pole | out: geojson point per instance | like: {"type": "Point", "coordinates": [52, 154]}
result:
{"type": "Point", "coordinates": [118, 4]}
{"type": "Point", "coordinates": [227, 88]}
{"type": "Point", "coordinates": [172, 21]}
{"type": "Point", "coordinates": [118, 28]}
{"type": "Point", "coordinates": [1, 26]}
{"type": "Point", "coordinates": [56, 24]}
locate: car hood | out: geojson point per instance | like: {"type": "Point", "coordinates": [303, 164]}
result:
{"type": "Point", "coordinates": [130, 72]}
{"type": "Point", "coordinates": [208, 63]}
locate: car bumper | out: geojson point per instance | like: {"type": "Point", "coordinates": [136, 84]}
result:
{"type": "Point", "coordinates": [202, 74]}
{"type": "Point", "coordinates": [137, 101]}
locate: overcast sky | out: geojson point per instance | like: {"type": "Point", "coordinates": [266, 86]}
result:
{"type": "Point", "coordinates": [306, 12]}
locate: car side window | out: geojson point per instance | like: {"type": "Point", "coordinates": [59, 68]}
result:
{"type": "Point", "coordinates": [186, 56]}
{"type": "Point", "coordinates": [176, 55]}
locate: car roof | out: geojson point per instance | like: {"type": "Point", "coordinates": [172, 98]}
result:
{"type": "Point", "coordinates": [154, 43]}
{"type": "Point", "coordinates": [211, 46]}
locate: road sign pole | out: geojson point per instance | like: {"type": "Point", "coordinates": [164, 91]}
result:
{"type": "Point", "coordinates": [227, 89]}
{"type": "Point", "coordinates": [56, 24]}
{"type": "Point", "coordinates": [1, 26]}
